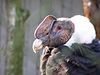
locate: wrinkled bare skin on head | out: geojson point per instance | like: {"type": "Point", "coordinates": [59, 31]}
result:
{"type": "Point", "coordinates": [53, 32]}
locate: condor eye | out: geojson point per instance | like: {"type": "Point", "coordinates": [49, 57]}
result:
{"type": "Point", "coordinates": [59, 28]}
{"type": "Point", "coordinates": [47, 33]}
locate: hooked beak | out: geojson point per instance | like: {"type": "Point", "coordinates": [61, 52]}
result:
{"type": "Point", "coordinates": [37, 45]}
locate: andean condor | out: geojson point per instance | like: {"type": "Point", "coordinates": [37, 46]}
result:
{"type": "Point", "coordinates": [57, 31]}
{"type": "Point", "coordinates": [69, 46]}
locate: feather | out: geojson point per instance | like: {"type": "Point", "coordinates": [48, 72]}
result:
{"type": "Point", "coordinates": [81, 30]}
{"type": "Point", "coordinates": [84, 30]}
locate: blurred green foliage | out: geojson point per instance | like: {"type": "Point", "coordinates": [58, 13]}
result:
{"type": "Point", "coordinates": [46, 7]}
{"type": "Point", "coordinates": [16, 3]}
{"type": "Point", "coordinates": [16, 61]}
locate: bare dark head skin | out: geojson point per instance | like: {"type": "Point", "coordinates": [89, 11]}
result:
{"type": "Point", "coordinates": [58, 34]}
{"type": "Point", "coordinates": [53, 32]}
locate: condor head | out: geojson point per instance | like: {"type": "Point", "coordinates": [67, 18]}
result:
{"type": "Point", "coordinates": [52, 32]}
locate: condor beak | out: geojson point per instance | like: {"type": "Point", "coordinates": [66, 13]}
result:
{"type": "Point", "coordinates": [37, 45]}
